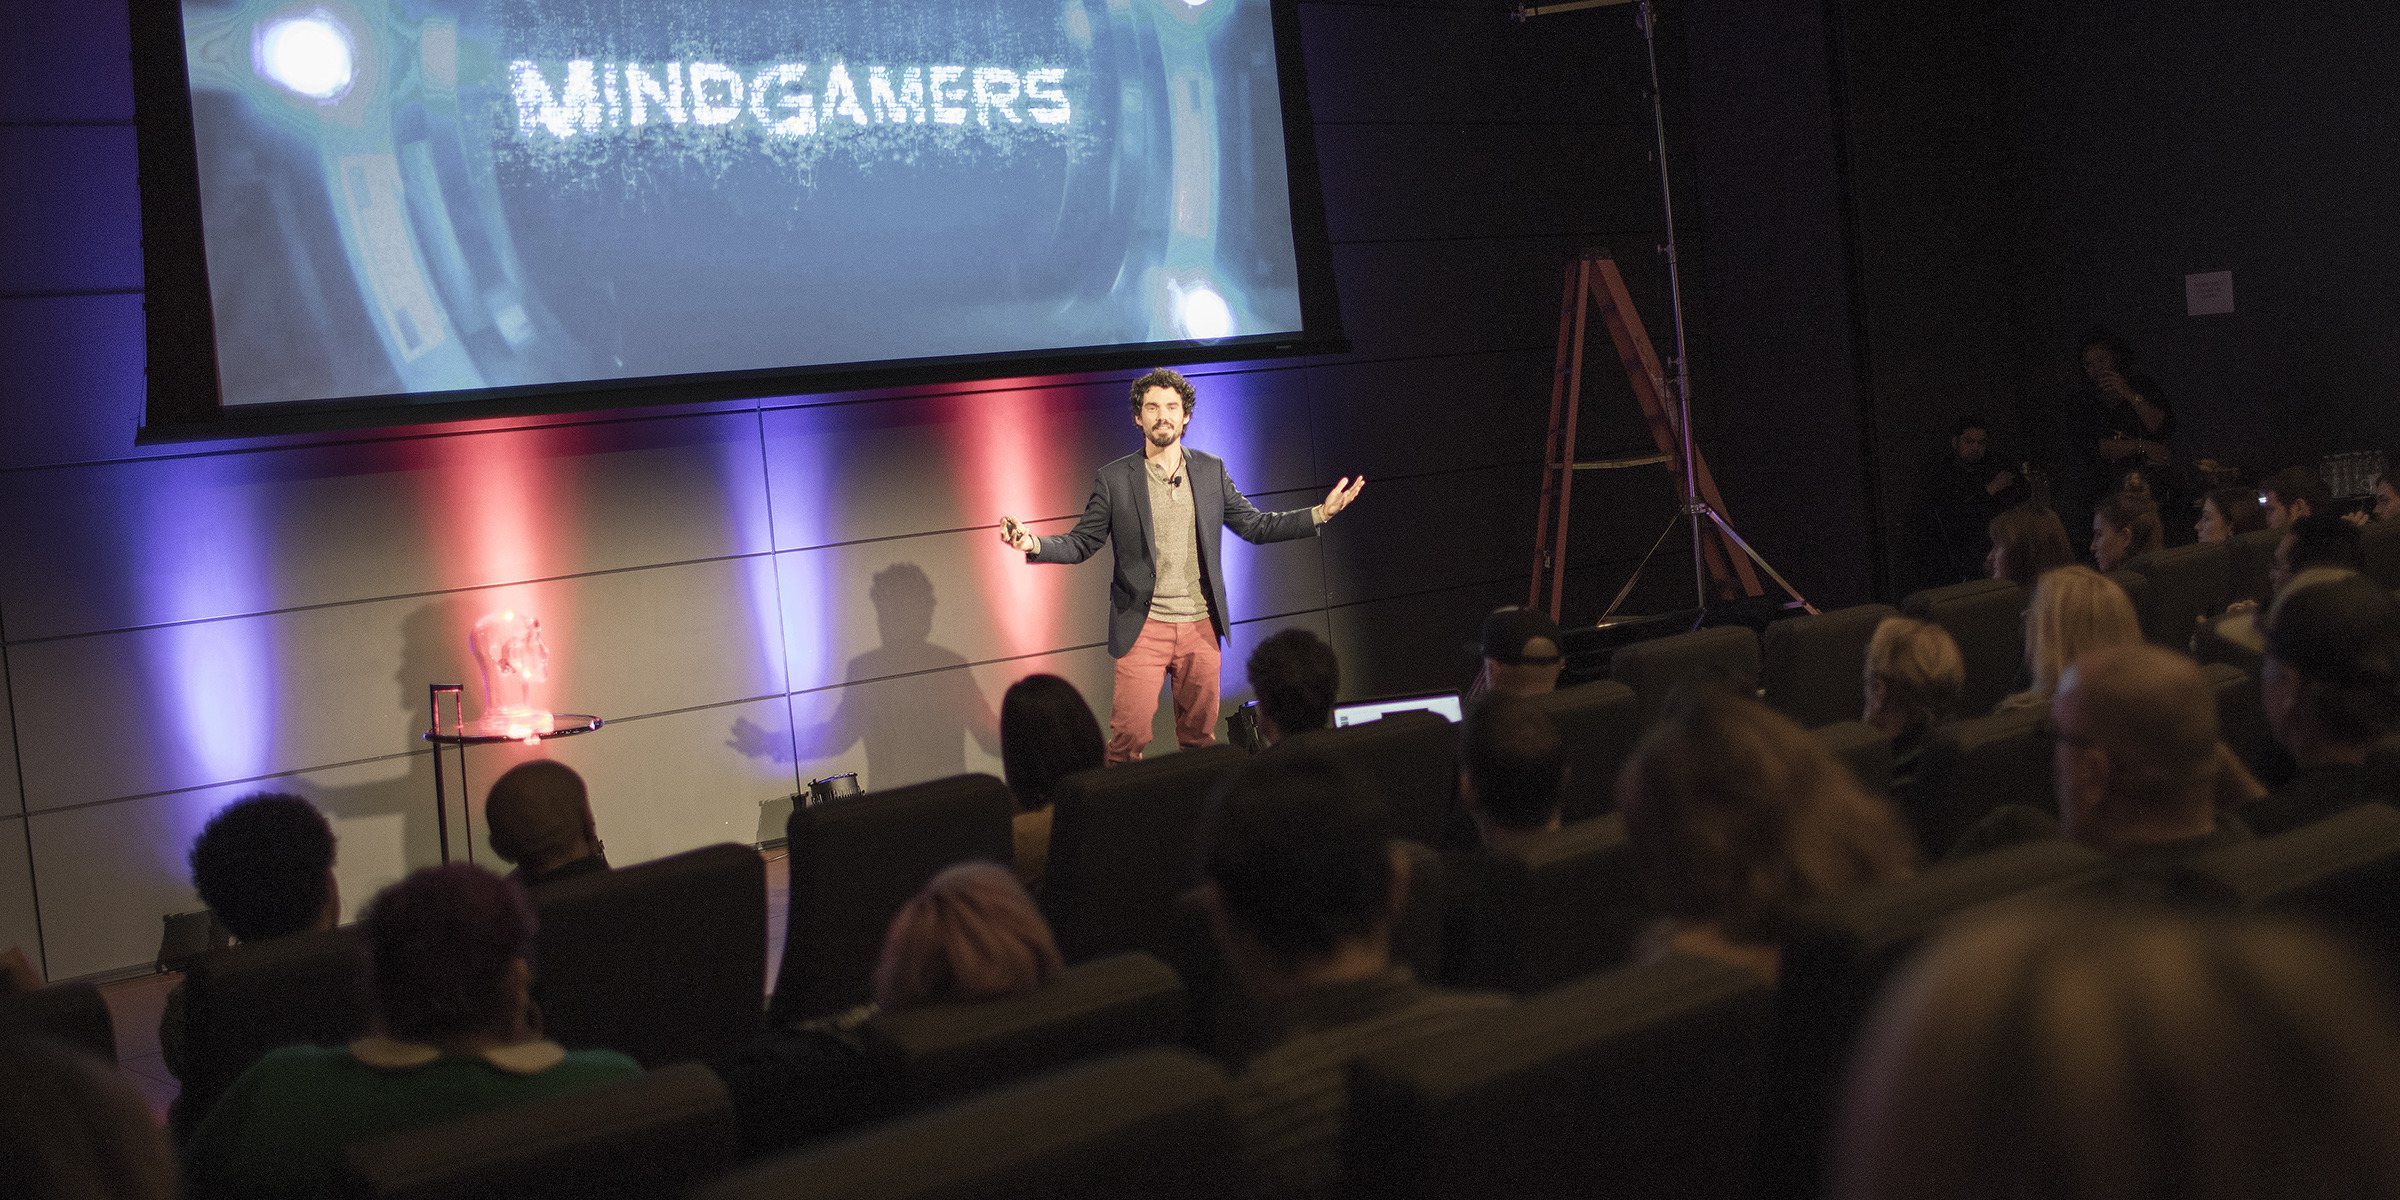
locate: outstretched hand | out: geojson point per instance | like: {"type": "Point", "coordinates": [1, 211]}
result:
{"type": "Point", "coordinates": [1016, 536]}
{"type": "Point", "coordinates": [1344, 491]}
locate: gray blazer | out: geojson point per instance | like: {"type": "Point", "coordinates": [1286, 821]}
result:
{"type": "Point", "coordinates": [1119, 513]}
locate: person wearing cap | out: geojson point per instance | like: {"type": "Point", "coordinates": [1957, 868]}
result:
{"type": "Point", "coordinates": [1522, 653]}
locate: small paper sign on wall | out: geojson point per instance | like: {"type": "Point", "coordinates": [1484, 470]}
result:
{"type": "Point", "coordinates": [2207, 292]}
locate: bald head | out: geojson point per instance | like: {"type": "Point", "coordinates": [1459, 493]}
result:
{"type": "Point", "coordinates": [2137, 754]}
{"type": "Point", "coordinates": [540, 817]}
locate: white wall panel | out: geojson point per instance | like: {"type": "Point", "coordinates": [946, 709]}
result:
{"type": "Point", "coordinates": [109, 872]}
{"type": "Point", "coordinates": [907, 729]}
{"type": "Point", "coordinates": [147, 542]}
{"type": "Point", "coordinates": [17, 924]}
{"type": "Point", "coordinates": [887, 468]}
{"type": "Point", "coordinates": [987, 603]}
{"type": "Point", "coordinates": [152, 710]}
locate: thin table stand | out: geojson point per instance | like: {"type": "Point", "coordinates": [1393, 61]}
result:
{"type": "Point", "coordinates": [562, 725]}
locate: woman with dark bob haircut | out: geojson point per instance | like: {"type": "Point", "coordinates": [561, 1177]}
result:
{"type": "Point", "coordinates": [448, 977]}
{"type": "Point", "coordinates": [2093, 1052]}
{"type": "Point", "coordinates": [1047, 733]}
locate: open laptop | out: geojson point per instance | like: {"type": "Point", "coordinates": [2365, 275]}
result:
{"type": "Point", "coordinates": [1445, 703]}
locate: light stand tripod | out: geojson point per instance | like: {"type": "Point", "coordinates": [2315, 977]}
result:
{"type": "Point", "coordinates": [1697, 499]}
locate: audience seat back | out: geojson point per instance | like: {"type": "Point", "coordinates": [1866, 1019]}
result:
{"type": "Point", "coordinates": [1413, 754]}
{"type": "Point", "coordinates": [2247, 558]}
{"type": "Point", "coordinates": [1969, 768]}
{"type": "Point", "coordinates": [855, 861]}
{"type": "Point", "coordinates": [1638, 1082]}
{"type": "Point", "coordinates": [243, 1001]}
{"type": "Point", "coordinates": [1152, 1123]}
{"type": "Point", "coordinates": [1815, 666]}
{"type": "Point", "coordinates": [2241, 712]}
{"type": "Point", "coordinates": [1122, 847]}
{"type": "Point", "coordinates": [1986, 617]}
{"type": "Point", "coordinates": [2383, 766]}
{"type": "Point", "coordinates": [1600, 721]}
{"type": "Point", "coordinates": [2343, 871]}
{"type": "Point", "coordinates": [2186, 584]}
{"type": "Point", "coordinates": [1836, 957]}
{"type": "Point", "coordinates": [1100, 1007]}
{"type": "Point", "coordinates": [1725, 653]}
{"type": "Point", "coordinates": [2136, 587]}
{"type": "Point", "coordinates": [2379, 544]}
{"type": "Point", "coordinates": [663, 961]}
{"type": "Point", "coordinates": [659, 1135]}
{"type": "Point", "coordinates": [1564, 905]}
{"type": "Point", "coordinates": [1221, 1022]}
{"type": "Point", "coordinates": [71, 1013]}
{"type": "Point", "coordinates": [1863, 749]}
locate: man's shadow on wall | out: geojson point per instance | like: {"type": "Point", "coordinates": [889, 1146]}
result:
{"type": "Point", "coordinates": [912, 702]}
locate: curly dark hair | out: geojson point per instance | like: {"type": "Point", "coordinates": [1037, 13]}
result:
{"type": "Point", "coordinates": [261, 863]}
{"type": "Point", "coordinates": [439, 946]}
{"type": "Point", "coordinates": [1165, 377]}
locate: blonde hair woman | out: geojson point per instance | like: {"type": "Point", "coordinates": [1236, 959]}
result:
{"type": "Point", "coordinates": [2074, 610]}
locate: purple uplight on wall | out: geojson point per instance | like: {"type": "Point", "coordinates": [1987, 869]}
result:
{"type": "Point", "coordinates": [215, 675]}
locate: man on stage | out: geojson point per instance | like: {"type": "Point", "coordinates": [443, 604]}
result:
{"type": "Point", "coordinates": [1162, 509]}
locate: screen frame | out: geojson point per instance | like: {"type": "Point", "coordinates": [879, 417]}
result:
{"type": "Point", "coordinates": [182, 400]}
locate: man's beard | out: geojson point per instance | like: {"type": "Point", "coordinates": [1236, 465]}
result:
{"type": "Point", "coordinates": [1163, 436]}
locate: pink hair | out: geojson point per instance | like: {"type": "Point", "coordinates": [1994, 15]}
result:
{"type": "Point", "coordinates": [972, 934]}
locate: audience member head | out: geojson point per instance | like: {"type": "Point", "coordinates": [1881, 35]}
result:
{"type": "Point", "coordinates": [1047, 733]}
{"type": "Point", "coordinates": [2387, 496]}
{"type": "Point", "coordinates": [2100, 352]}
{"type": "Point", "coordinates": [1970, 439]}
{"type": "Point", "coordinates": [71, 1128]}
{"type": "Point", "coordinates": [1523, 651]}
{"type": "Point", "coordinates": [1295, 677]}
{"type": "Point", "coordinates": [265, 864]}
{"type": "Point", "coordinates": [2099, 1052]}
{"type": "Point", "coordinates": [2075, 610]}
{"type": "Point", "coordinates": [1302, 877]}
{"type": "Point", "coordinates": [2293, 493]}
{"type": "Point", "coordinates": [540, 817]}
{"type": "Point", "coordinates": [1738, 816]}
{"type": "Point", "coordinates": [2136, 758]}
{"type": "Point", "coordinates": [449, 958]}
{"type": "Point", "coordinates": [2026, 541]}
{"type": "Point", "coordinates": [2227, 511]}
{"type": "Point", "coordinates": [1914, 675]}
{"type": "Point", "coordinates": [972, 934]}
{"type": "Point", "coordinates": [2331, 680]}
{"type": "Point", "coordinates": [2312, 542]}
{"type": "Point", "coordinates": [2124, 526]}
{"type": "Point", "coordinates": [1512, 768]}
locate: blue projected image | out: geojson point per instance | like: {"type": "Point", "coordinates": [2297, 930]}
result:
{"type": "Point", "coordinates": [438, 199]}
